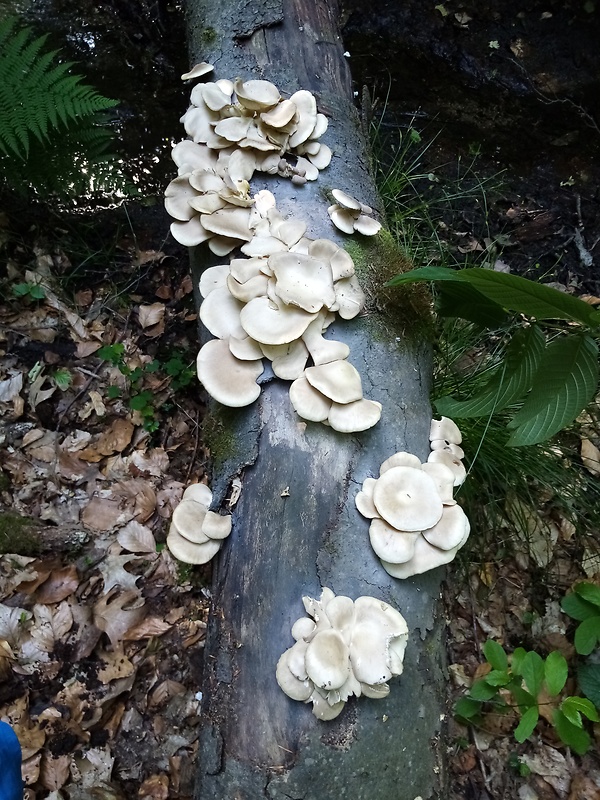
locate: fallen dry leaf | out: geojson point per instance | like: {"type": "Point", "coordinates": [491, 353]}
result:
{"type": "Point", "coordinates": [115, 575]}
{"type": "Point", "coordinates": [104, 514]}
{"type": "Point", "coordinates": [115, 665]}
{"type": "Point", "coordinates": [151, 315]}
{"type": "Point", "coordinates": [35, 392]}
{"type": "Point", "coordinates": [164, 692]}
{"type": "Point", "coordinates": [590, 456]}
{"type": "Point", "coordinates": [137, 538]}
{"type": "Point", "coordinates": [54, 771]}
{"type": "Point", "coordinates": [116, 438]}
{"type": "Point", "coordinates": [10, 388]}
{"type": "Point", "coordinates": [156, 787]}
{"type": "Point", "coordinates": [153, 626]}
{"type": "Point", "coordinates": [116, 613]}
{"type": "Point", "coordinates": [59, 585]}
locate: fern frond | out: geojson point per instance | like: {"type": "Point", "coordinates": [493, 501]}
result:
{"type": "Point", "coordinates": [38, 94]}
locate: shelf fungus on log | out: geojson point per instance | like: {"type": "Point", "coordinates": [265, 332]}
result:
{"type": "Point", "coordinates": [416, 524]}
{"type": "Point", "coordinates": [343, 647]}
{"type": "Point", "coordinates": [196, 533]}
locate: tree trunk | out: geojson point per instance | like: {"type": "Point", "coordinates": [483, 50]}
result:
{"type": "Point", "coordinates": [295, 527]}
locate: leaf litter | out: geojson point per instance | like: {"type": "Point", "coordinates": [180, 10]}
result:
{"type": "Point", "coordinates": [101, 631]}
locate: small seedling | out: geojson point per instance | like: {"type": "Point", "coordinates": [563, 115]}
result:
{"type": "Point", "coordinates": [31, 291]}
{"type": "Point", "coordinates": [529, 680]}
{"type": "Point", "coordinates": [583, 604]}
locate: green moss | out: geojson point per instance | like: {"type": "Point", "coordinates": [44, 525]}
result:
{"type": "Point", "coordinates": [402, 311]}
{"type": "Point", "coordinates": [218, 433]}
{"type": "Point", "coordinates": [17, 535]}
{"type": "Point", "coordinates": [4, 481]}
{"type": "Point", "coordinates": [208, 35]}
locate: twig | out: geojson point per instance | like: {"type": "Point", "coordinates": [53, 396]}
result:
{"type": "Point", "coordinates": [193, 458]}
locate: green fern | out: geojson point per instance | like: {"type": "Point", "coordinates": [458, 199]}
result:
{"type": "Point", "coordinates": [38, 95]}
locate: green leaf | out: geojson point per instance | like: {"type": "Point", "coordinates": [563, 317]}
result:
{"type": "Point", "coordinates": [112, 392]}
{"type": "Point", "coordinates": [112, 352]}
{"type": "Point", "coordinates": [588, 678]}
{"type": "Point", "coordinates": [482, 691]}
{"type": "Point", "coordinates": [532, 671]}
{"type": "Point", "coordinates": [527, 724]}
{"type": "Point", "coordinates": [589, 592]}
{"type": "Point", "coordinates": [498, 677]}
{"type": "Point", "coordinates": [578, 608]}
{"type": "Point", "coordinates": [556, 672]}
{"type": "Point", "coordinates": [141, 401]}
{"type": "Point", "coordinates": [509, 291]}
{"type": "Point", "coordinates": [587, 635]}
{"type": "Point", "coordinates": [574, 707]}
{"type": "Point", "coordinates": [63, 379]}
{"type": "Point", "coordinates": [466, 708]}
{"type": "Point", "coordinates": [510, 381]}
{"type": "Point", "coordinates": [36, 291]}
{"type": "Point", "coordinates": [564, 384]}
{"type": "Point", "coordinates": [523, 699]}
{"type": "Point", "coordinates": [516, 662]}
{"type": "Point", "coordinates": [458, 299]}
{"type": "Point", "coordinates": [576, 738]}
{"type": "Point", "coordinates": [495, 654]}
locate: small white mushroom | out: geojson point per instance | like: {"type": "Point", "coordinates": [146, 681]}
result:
{"type": "Point", "coordinates": [345, 200]}
{"type": "Point", "coordinates": [450, 532]}
{"type": "Point", "coordinates": [295, 688]}
{"type": "Point", "coordinates": [451, 461]}
{"type": "Point", "coordinates": [188, 517]}
{"type": "Point", "coordinates": [445, 428]}
{"type": "Point", "coordinates": [226, 378]}
{"type": "Point", "coordinates": [350, 297]}
{"type": "Point", "coordinates": [287, 360]}
{"type": "Point", "coordinates": [229, 222]}
{"type": "Point", "coordinates": [246, 349]}
{"type": "Point", "coordinates": [327, 660]}
{"type": "Point", "coordinates": [306, 109]}
{"type": "Point", "coordinates": [191, 553]}
{"type": "Point", "coordinates": [190, 233]}
{"type": "Point", "coordinates": [391, 544]}
{"type": "Point", "coordinates": [425, 558]}
{"type": "Point", "coordinates": [354, 417]}
{"type": "Point", "coordinates": [279, 116]}
{"type": "Point", "coordinates": [220, 313]}
{"type": "Point", "coordinates": [200, 493]}
{"type": "Point", "coordinates": [178, 195]}
{"type": "Point", "coordinates": [401, 459]}
{"type": "Point", "coordinates": [257, 95]}
{"type": "Point", "coordinates": [367, 225]}
{"type": "Point", "coordinates": [444, 481]}
{"type": "Point", "coordinates": [407, 499]}
{"type": "Point", "coordinates": [309, 403]}
{"type": "Point", "coordinates": [323, 350]}
{"type": "Point", "coordinates": [216, 526]}
{"type": "Point", "coordinates": [270, 325]}
{"type": "Point", "coordinates": [338, 380]}
{"type": "Point", "coordinates": [302, 281]}
{"type": "Point", "coordinates": [197, 71]}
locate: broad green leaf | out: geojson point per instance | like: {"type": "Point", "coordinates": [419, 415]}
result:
{"type": "Point", "coordinates": [495, 654]}
{"type": "Point", "coordinates": [458, 299]}
{"type": "Point", "coordinates": [556, 671]}
{"type": "Point", "coordinates": [510, 381]}
{"type": "Point", "coordinates": [574, 707]}
{"type": "Point", "coordinates": [532, 671]}
{"type": "Point", "coordinates": [516, 661]}
{"type": "Point", "coordinates": [576, 738]}
{"type": "Point", "coordinates": [466, 708]}
{"type": "Point", "coordinates": [482, 691]}
{"type": "Point", "coordinates": [510, 292]}
{"type": "Point", "coordinates": [527, 724]}
{"type": "Point", "coordinates": [588, 678]}
{"type": "Point", "coordinates": [498, 677]}
{"type": "Point", "coordinates": [587, 635]}
{"type": "Point", "coordinates": [576, 607]}
{"type": "Point", "coordinates": [523, 699]}
{"type": "Point", "coordinates": [589, 592]}
{"type": "Point", "coordinates": [565, 382]}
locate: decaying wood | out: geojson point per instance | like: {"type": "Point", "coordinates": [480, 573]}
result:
{"type": "Point", "coordinates": [296, 529]}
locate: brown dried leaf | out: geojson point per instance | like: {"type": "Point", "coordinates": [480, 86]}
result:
{"type": "Point", "coordinates": [115, 614]}
{"type": "Point", "coordinates": [151, 315]}
{"type": "Point", "coordinates": [155, 462]}
{"type": "Point", "coordinates": [59, 585]}
{"type": "Point", "coordinates": [153, 626]}
{"type": "Point", "coordinates": [35, 392]}
{"type": "Point", "coordinates": [137, 538]}
{"type": "Point", "coordinates": [142, 493]}
{"type": "Point", "coordinates": [590, 456]}
{"type": "Point", "coordinates": [156, 787]}
{"type": "Point", "coordinates": [51, 625]}
{"type": "Point", "coordinates": [104, 514]}
{"type": "Point", "coordinates": [115, 665]}
{"type": "Point", "coordinates": [114, 573]}
{"type": "Point", "coordinates": [116, 438]}
{"type": "Point", "coordinates": [10, 388]}
{"type": "Point", "coordinates": [164, 692]}
{"type": "Point", "coordinates": [54, 771]}
{"type": "Point", "coordinates": [30, 768]}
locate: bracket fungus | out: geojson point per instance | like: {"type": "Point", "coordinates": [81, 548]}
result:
{"type": "Point", "coordinates": [349, 215]}
{"type": "Point", "coordinates": [343, 647]}
{"type": "Point", "coordinates": [196, 534]}
{"type": "Point", "coordinates": [416, 525]}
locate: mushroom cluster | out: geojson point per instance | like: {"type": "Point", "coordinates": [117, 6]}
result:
{"type": "Point", "coordinates": [416, 524]}
{"type": "Point", "coordinates": [236, 128]}
{"type": "Point", "coordinates": [349, 215]}
{"type": "Point", "coordinates": [276, 304]}
{"type": "Point", "coordinates": [196, 534]}
{"type": "Point", "coordinates": [343, 648]}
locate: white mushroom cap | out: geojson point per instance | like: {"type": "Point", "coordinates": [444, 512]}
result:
{"type": "Point", "coordinates": [322, 350]}
{"type": "Point", "coordinates": [341, 615]}
{"type": "Point", "coordinates": [349, 296]}
{"type": "Point", "coordinates": [444, 481]}
{"type": "Point", "coordinates": [188, 517]}
{"type": "Point", "coordinates": [178, 195]}
{"type": "Point", "coordinates": [221, 245]}
{"type": "Point", "coordinates": [191, 553]}
{"type": "Point", "coordinates": [451, 461]}
{"type": "Point", "coordinates": [255, 287]}
{"type": "Point", "coordinates": [307, 169]}
{"type": "Point", "coordinates": [216, 526]}
{"type": "Point", "coordinates": [338, 380]}
{"type": "Point", "coordinates": [407, 499]}
{"type": "Point", "coordinates": [213, 278]}
{"type": "Point", "coordinates": [302, 281]}
{"type": "Point", "coordinates": [306, 108]}
{"type": "Point", "coordinates": [322, 709]}
{"type": "Point", "coordinates": [226, 378]}
{"type": "Point", "coordinates": [391, 544]}
{"type": "Point", "coordinates": [341, 218]}
{"type": "Point", "coordinates": [321, 158]}
{"type": "Point", "coordinates": [197, 71]}
{"type": "Point", "coordinates": [426, 557]}
{"type": "Point", "coordinates": [327, 660]}
{"type": "Point", "coordinates": [200, 493]}
{"type": "Point", "coordinates": [345, 200]}
{"type": "Point", "coordinates": [270, 325]}
{"type": "Point", "coordinates": [257, 95]}
{"type": "Point", "coordinates": [401, 459]}
{"type": "Point", "coordinates": [445, 428]}
{"type": "Point", "coordinates": [287, 360]}
{"type": "Point", "coordinates": [303, 628]}
{"type": "Point", "coordinates": [443, 444]}
{"type": "Point", "coordinates": [451, 532]}
{"type": "Point", "coordinates": [280, 115]}
{"type": "Point", "coordinates": [220, 313]}
{"type": "Point", "coordinates": [367, 655]}
{"type": "Point", "coordinates": [190, 233]}
{"type": "Point", "coordinates": [246, 349]}
{"type": "Point", "coordinates": [354, 417]}
{"type": "Point", "coordinates": [230, 222]}
{"type": "Point", "coordinates": [320, 126]}
{"type": "Point", "coordinates": [309, 403]}
{"type": "Point", "coordinates": [196, 156]}
{"type": "Point", "coordinates": [294, 687]}
{"type": "Point", "coordinates": [367, 225]}
{"type": "Point", "coordinates": [214, 97]}
{"type": "Point", "coordinates": [234, 129]}
{"type": "Point", "coordinates": [364, 500]}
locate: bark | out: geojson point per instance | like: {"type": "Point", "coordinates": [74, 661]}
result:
{"type": "Point", "coordinates": [296, 528]}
